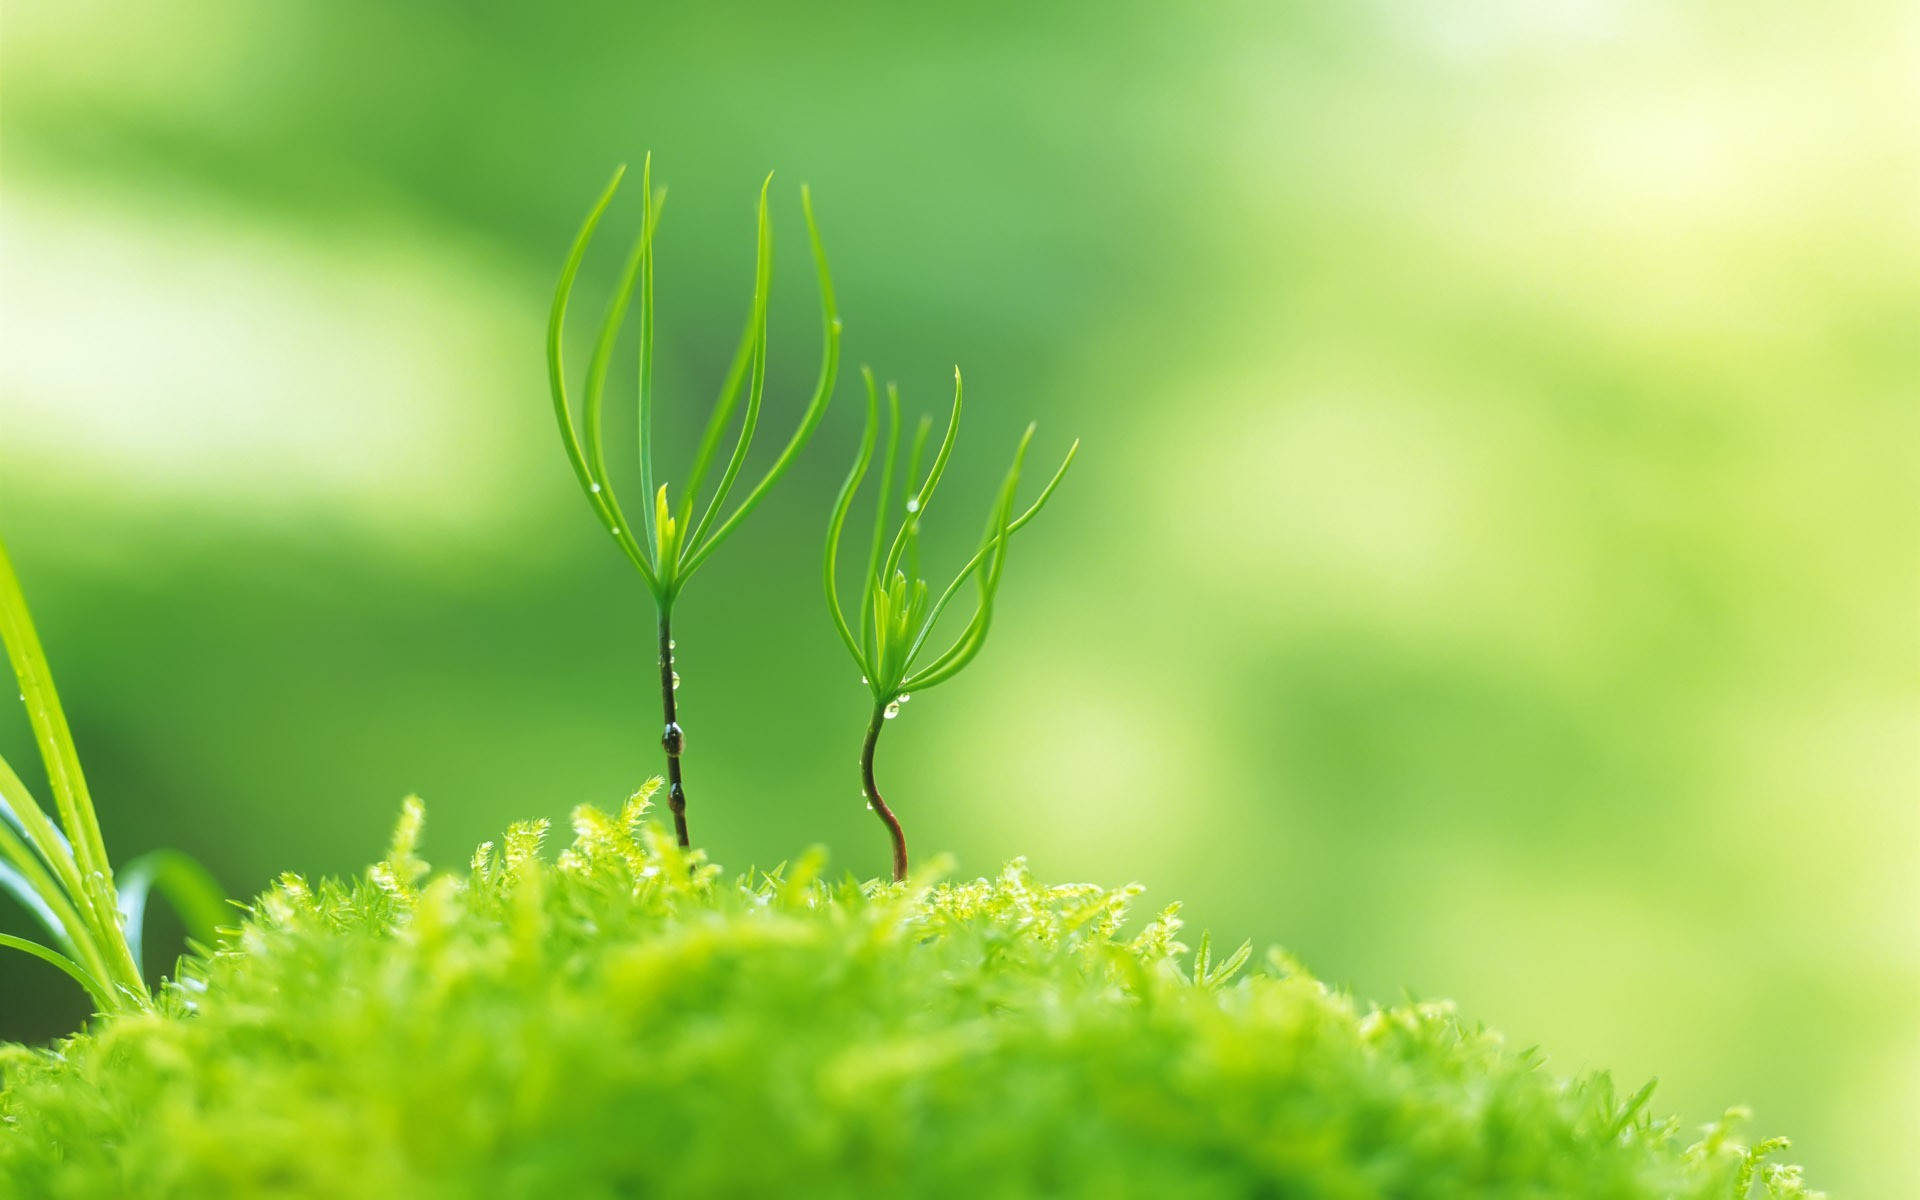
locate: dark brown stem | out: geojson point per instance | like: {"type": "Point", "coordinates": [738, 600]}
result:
{"type": "Point", "coordinates": [672, 740]}
{"type": "Point", "coordinates": [873, 794]}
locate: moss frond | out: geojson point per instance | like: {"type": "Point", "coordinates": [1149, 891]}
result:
{"type": "Point", "coordinates": [622, 1019]}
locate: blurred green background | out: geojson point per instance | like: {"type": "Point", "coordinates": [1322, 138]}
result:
{"type": "Point", "coordinates": [1492, 569]}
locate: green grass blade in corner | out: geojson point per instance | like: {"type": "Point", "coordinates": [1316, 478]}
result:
{"type": "Point", "coordinates": [189, 887]}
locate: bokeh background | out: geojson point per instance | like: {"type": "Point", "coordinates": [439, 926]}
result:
{"type": "Point", "coordinates": [1492, 570]}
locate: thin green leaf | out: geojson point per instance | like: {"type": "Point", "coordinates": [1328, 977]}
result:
{"type": "Point", "coordinates": [23, 814]}
{"type": "Point", "coordinates": [918, 502]}
{"type": "Point", "coordinates": [26, 877]}
{"type": "Point", "coordinates": [80, 860]}
{"type": "Point", "coordinates": [591, 417]}
{"type": "Point", "coordinates": [104, 1000]}
{"type": "Point", "coordinates": [1013, 527]}
{"type": "Point", "coordinates": [49, 723]}
{"type": "Point", "coordinates": [999, 533]}
{"type": "Point", "coordinates": [875, 629]}
{"type": "Point", "coordinates": [924, 497]}
{"type": "Point", "coordinates": [757, 390]}
{"type": "Point", "coordinates": [651, 203]}
{"type": "Point", "coordinates": [598, 493]}
{"type": "Point", "coordinates": [14, 884]}
{"type": "Point", "coordinates": [823, 392]}
{"type": "Point", "coordinates": [752, 351]}
{"type": "Point", "coordinates": [841, 505]}
{"type": "Point", "coordinates": [189, 887]}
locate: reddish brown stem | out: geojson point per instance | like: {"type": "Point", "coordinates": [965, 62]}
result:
{"type": "Point", "coordinates": [873, 794]}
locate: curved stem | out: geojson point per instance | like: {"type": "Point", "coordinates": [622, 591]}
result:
{"type": "Point", "coordinates": [672, 740]}
{"type": "Point", "coordinates": [873, 794]}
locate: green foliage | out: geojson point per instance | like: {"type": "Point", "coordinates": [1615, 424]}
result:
{"type": "Point", "coordinates": [60, 871]}
{"type": "Point", "coordinates": [672, 546]}
{"type": "Point", "coordinates": [624, 1021]}
{"type": "Point", "coordinates": [897, 613]}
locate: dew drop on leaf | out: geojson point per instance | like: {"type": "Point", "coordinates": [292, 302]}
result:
{"type": "Point", "coordinates": [913, 504]}
{"type": "Point", "coordinates": [676, 681]}
{"type": "Point", "coordinates": [594, 487]}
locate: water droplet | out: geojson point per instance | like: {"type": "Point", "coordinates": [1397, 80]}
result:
{"type": "Point", "coordinates": [869, 806]}
{"type": "Point", "coordinates": [594, 487]}
{"type": "Point", "coordinates": [863, 679]}
{"type": "Point", "coordinates": [676, 681]}
{"type": "Point", "coordinates": [674, 739]}
{"type": "Point", "coordinates": [616, 531]}
{"type": "Point", "coordinates": [892, 710]}
{"type": "Point", "coordinates": [905, 696]}
{"type": "Point", "coordinates": [671, 644]}
{"type": "Point", "coordinates": [913, 504]}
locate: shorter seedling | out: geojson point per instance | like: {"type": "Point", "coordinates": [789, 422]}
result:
{"type": "Point", "coordinates": [897, 613]}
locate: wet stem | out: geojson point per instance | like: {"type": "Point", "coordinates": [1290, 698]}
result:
{"type": "Point", "coordinates": [672, 740]}
{"type": "Point", "coordinates": [874, 801]}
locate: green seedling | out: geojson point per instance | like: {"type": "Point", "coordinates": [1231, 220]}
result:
{"type": "Point", "coordinates": [59, 870]}
{"type": "Point", "coordinates": [670, 545]}
{"type": "Point", "coordinates": [897, 612]}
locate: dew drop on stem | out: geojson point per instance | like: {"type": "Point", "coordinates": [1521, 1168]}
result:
{"type": "Point", "coordinates": [892, 710]}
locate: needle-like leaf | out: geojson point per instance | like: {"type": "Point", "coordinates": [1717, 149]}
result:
{"type": "Point", "coordinates": [817, 408]}
{"type": "Point", "coordinates": [752, 352]}
{"type": "Point", "coordinates": [841, 505]}
{"type": "Point", "coordinates": [1013, 527]}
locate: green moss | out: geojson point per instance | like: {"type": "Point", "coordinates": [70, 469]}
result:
{"type": "Point", "coordinates": [624, 1021]}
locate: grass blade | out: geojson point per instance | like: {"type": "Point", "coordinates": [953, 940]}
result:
{"type": "Point", "coordinates": [31, 898]}
{"type": "Point", "coordinates": [79, 858]}
{"type": "Point", "coordinates": [103, 1000]}
{"type": "Point", "coordinates": [50, 729]}
{"type": "Point", "coordinates": [189, 887]}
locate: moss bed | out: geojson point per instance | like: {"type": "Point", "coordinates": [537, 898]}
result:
{"type": "Point", "coordinates": [622, 1020]}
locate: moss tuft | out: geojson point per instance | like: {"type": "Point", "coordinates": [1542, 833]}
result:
{"type": "Point", "coordinates": [624, 1020]}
